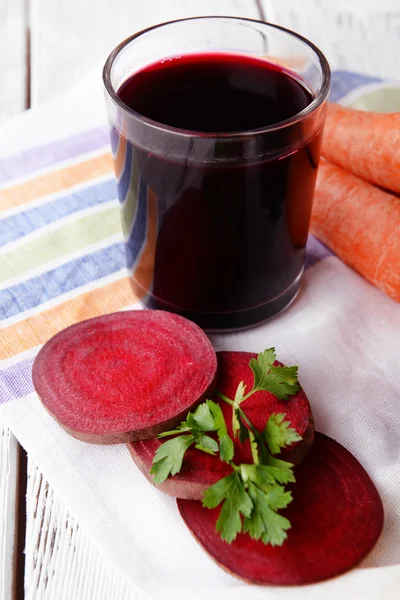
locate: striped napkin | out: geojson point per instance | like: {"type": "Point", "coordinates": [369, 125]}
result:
{"type": "Point", "coordinates": [62, 260]}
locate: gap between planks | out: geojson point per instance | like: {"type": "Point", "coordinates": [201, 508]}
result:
{"type": "Point", "coordinates": [9, 459]}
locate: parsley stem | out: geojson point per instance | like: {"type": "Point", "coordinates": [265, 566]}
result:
{"type": "Point", "coordinates": [229, 401]}
{"type": "Point", "coordinates": [225, 398]}
{"type": "Point", "coordinates": [242, 414]}
{"type": "Point", "coordinates": [246, 420]}
{"type": "Point", "coordinates": [248, 395]}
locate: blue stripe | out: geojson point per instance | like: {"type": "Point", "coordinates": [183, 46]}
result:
{"type": "Point", "coordinates": [138, 232]}
{"type": "Point", "coordinates": [15, 227]}
{"type": "Point", "coordinates": [344, 82]}
{"type": "Point", "coordinates": [125, 178]}
{"type": "Point", "coordinates": [114, 139]}
{"type": "Point", "coordinates": [65, 278]}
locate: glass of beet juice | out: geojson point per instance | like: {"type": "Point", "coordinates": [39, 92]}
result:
{"type": "Point", "coordinates": [216, 126]}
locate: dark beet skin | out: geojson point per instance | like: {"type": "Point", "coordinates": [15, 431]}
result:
{"type": "Point", "coordinates": [336, 517]}
{"type": "Point", "coordinates": [200, 470]}
{"type": "Point", "coordinates": [124, 376]}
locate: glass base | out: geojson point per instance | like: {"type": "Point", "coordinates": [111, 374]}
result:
{"type": "Point", "coordinates": [239, 320]}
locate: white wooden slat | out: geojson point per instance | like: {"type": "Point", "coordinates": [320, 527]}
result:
{"type": "Point", "coordinates": [62, 562]}
{"type": "Point", "coordinates": [355, 35]}
{"type": "Point", "coordinates": [12, 58]}
{"type": "Point", "coordinates": [69, 37]}
{"type": "Point", "coordinates": [8, 500]}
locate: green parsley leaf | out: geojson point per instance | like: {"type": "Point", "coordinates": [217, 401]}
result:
{"type": "Point", "coordinates": [226, 449]}
{"type": "Point", "coordinates": [169, 456]}
{"type": "Point", "coordinates": [280, 381]}
{"type": "Point", "coordinates": [236, 421]}
{"type": "Point", "coordinates": [278, 433]}
{"type": "Point", "coordinates": [283, 382]}
{"type": "Point", "coordinates": [282, 473]}
{"type": "Point", "coordinates": [206, 443]}
{"type": "Point", "coordinates": [203, 417]}
{"type": "Point", "coordinates": [236, 501]}
{"type": "Point", "coordinates": [241, 388]}
{"type": "Point", "coordinates": [259, 474]}
{"type": "Point", "coordinates": [277, 498]}
{"type": "Point", "coordinates": [265, 476]}
{"type": "Point", "coordinates": [264, 523]}
{"type": "Point", "coordinates": [254, 447]}
{"type": "Point", "coordinates": [261, 367]}
{"type": "Point", "coordinates": [208, 416]}
{"type": "Point", "coordinates": [201, 420]}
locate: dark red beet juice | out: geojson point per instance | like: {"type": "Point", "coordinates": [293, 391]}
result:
{"type": "Point", "coordinates": [218, 234]}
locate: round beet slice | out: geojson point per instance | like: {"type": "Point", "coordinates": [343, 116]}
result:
{"type": "Point", "coordinates": [124, 376]}
{"type": "Point", "coordinates": [200, 470]}
{"type": "Point", "coordinates": [336, 516]}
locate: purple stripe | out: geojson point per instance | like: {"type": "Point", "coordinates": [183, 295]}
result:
{"type": "Point", "coordinates": [29, 161]}
{"type": "Point", "coordinates": [315, 251]}
{"type": "Point", "coordinates": [16, 381]}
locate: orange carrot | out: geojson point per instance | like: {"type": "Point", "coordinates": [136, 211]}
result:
{"type": "Point", "coordinates": [361, 224]}
{"type": "Point", "coordinates": [365, 143]}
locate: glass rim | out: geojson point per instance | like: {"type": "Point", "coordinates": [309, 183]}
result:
{"type": "Point", "coordinates": [300, 116]}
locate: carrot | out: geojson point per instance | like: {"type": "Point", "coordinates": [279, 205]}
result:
{"type": "Point", "coordinates": [361, 224]}
{"type": "Point", "coordinates": [365, 143]}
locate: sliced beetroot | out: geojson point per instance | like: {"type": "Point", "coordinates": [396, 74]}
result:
{"type": "Point", "coordinates": [124, 376]}
{"type": "Point", "coordinates": [200, 470]}
{"type": "Point", "coordinates": [336, 517]}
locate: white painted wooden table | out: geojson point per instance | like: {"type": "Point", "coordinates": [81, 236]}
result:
{"type": "Point", "coordinates": [47, 46]}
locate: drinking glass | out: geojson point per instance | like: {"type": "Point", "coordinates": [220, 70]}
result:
{"type": "Point", "coordinates": [216, 222]}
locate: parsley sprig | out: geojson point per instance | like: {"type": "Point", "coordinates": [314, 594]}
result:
{"type": "Point", "coordinates": [207, 418]}
{"type": "Point", "coordinates": [250, 496]}
{"type": "Point", "coordinates": [259, 490]}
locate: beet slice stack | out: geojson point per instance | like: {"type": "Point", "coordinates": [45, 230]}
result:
{"type": "Point", "coordinates": [200, 470]}
{"type": "Point", "coordinates": [336, 516]}
{"type": "Point", "coordinates": [124, 376]}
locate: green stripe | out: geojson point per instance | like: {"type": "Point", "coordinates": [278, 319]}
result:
{"type": "Point", "coordinates": [385, 99]}
{"type": "Point", "coordinates": [60, 242]}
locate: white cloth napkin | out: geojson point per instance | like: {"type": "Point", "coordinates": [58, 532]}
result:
{"type": "Point", "coordinates": [344, 334]}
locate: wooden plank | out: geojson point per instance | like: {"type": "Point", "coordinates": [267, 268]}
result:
{"type": "Point", "coordinates": [12, 58]}
{"type": "Point", "coordinates": [361, 35]}
{"type": "Point", "coordinates": [69, 37]}
{"type": "Point", "coordinates": [8, 511]}
{"type": "Point", "coordinates": [62, 562]}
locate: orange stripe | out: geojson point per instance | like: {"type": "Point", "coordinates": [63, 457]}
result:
{"type": "Point", "coordinates": [144, 271]}
{"type": "Point", "coordinates": [119, 159]}
{"type": "Point", "coordinates": [56, 181]}
{"type": "Point", "coordinates": [39, 328]}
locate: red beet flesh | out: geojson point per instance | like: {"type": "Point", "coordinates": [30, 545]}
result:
{"type": "Point", "coordinates": [336, 517]}
{"type": "Point", "coordinates": [200, 470]}
{"type": "Point", "coordinates": [124, 376]}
